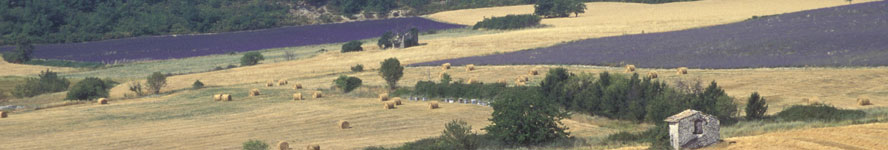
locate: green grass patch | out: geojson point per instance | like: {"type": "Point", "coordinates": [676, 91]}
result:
{"type": "Point", "coordinates": [64, 63]}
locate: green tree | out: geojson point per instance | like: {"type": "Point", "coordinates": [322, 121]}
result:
{"type": "Point", "coordinates": [385, 41]}
{"type": "Point", "coordinates": [445, 78]}
{"type": "Point", "coordinates": [756, 106]}
{"type": "Point", "coordinates": [558, 8]}
{"type": "Point", "coordinates": [357, 68]}
{"type": "Point", "coordinates": [392, 71]}
{"type": "Point", "coordinates": [197, 84]}
{"type": "Point", "coordinates": [155, 82]}
{"type": "Point", "coordinates": [88, 89]}
{"type": "Point", "coordinates": [552, 83]}
{"type": "Point", "coordinates": [46, 82]}
{"type": "Point", "coordinates": [459, 135]}
{"type": "Point", "coordinates": [352, 46]}
{"type": "Point", "coordinates": [22, 53]}
{"type": "Point", "coordinates": [347, 84]}
{"type": "Point", "coordinates": [251, 58]}
{"type": "Point", "coordinates": [255, 145]}
{"type": "Point", "coordinates": [522, 117]}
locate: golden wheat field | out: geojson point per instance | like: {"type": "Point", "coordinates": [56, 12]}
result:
{"type": "Point", "coordinates": [865, 136]}
{"type": "Point", "coordinates": [191, 119]}
{"type": "Point", "coordinates": [663, 17]}
{"type": "Point", "coordinates": [9, 69]}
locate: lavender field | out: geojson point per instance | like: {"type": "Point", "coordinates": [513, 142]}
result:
{"type": "Point", "coordinates": [853, 35]}
{"type": "Point", "coordinates": [181, 46]}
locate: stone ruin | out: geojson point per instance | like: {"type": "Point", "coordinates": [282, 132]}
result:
{"type": "Point", "coordinates": [692, 129]}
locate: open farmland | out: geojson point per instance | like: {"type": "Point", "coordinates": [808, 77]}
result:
{"type": "Point", "coordinates": [852, 35]}
{"type": "Point", "coordinates": [181, 46]}
{"type": "Point", "coordinates": [866, 136]}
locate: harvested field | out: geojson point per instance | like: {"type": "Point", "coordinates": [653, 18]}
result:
{"type": "Point", "coordinates": [866, 136]}
{"type": "Point", "coordinates": [181, 46]}
{"type": "Point", "coordinates": [674, 16]}
{"type": "Point", "coordinates": [851, 35]}
{"type": "Point", "coordinates": [10, 69]}
{"type": "Point", "coordinates": [179, 122]}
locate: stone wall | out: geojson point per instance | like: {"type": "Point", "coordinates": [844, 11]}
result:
{"type": "Point", "coordinates": [682, 132]}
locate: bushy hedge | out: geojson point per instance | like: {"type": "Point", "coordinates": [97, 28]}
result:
{"type": "Point", "coordinates": [255, 145]}
{"type": "Point", "coordinates": [508, 22]}
{"type": "Point", "coordinates": [46, 82]}
{"type": "Point", "coordinates": [818, 112]}
{"type": "Point", "coordinates": [197, 84]}
{"type": "Point", "coordinates": [88, 89]}
{"type": "Point", "coordinates": [459, 90]}
{"type": "Point", "coordinates": [352, 46]}
{"type": "Point", "coordinates": [347, 84]}
{"type": "Point", "coordinates": [357, 68]}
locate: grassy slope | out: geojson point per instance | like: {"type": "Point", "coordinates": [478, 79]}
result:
{"type": "Point", "coordinates": [9, 69]}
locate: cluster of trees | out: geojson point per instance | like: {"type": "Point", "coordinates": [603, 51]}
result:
{"type": "Point", "coordinates": [21, 54]}
{"type": "Point", "coordinates": [351, 7]}
{"type": "Point", "coordinates": [509, 22]}
{"type": "Point", "coordinates": [444, 89]}
{"type": "Point", "coordinates": [59, 21]}
{"type": "Point", "coordinates": [633, 98]}
{"type": "Point", "coordinates": [46, 82]}
{"type": "Point", "coordinates": [558, 8]}
{"type": "Point", "coordinates": [390, 39]}
{"type": "Point", "coordinates": [90, 88]}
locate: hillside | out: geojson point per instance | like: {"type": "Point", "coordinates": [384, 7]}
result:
{"type": "Point", "coordinates": [849, 35]}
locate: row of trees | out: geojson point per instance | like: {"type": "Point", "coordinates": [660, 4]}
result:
{"type": "Point", "coordinates": [558, 8]}
{"type": "Point", "coordinates": [508, 22]}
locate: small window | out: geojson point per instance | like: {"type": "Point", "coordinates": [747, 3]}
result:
{"type": "Point", "coordinates": [698, 127]}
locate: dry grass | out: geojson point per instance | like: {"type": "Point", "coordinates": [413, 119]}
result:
{"type": "Point", "coordinates": [178, 122]}
{"type": "Point", "coordinates": [866, 136]}
{"type": "Point", "coordinates": [10, 69]}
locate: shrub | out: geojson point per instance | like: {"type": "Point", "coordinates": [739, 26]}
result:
{"type": "Point", "coordinates": [756, 106]}
{"type": "Point", "coordinates": [818, 112]}
{"type": "Point", "coordinates": [558, 8]}
{"type": "Point", "coordinates": [508, 22]}
{"type": "Point", "coordinates": [391, 71]}
{"type": "Point", "coordinates": [251, 58]}
{"type": "Point", "coordinates": [357, 68]}
{"type": "Point", "coordinates": [21, 54]}
{"type": "Point", "coordinates": [346, 83]}
{"type": "Point", "coordinates": [197, 84]}
{"type": "Point", "coordinates": [136, 87]}
{"type": "Point", "coordinates": [155, 82]}
{"type": "Point", "coordinates": [88, 89]}
{"type": "Point", "coordinates": [46, 82]}
{"type": "Point", "coordinates": [352, 46]}
{"type": "Point", "coordinates": [255, 145]}
{"type": "Point", "coordinates": [458, 134]}
{"type": "Point", "coordinates": [385, 41]}
{"type": "Point", "coordinates": [522, 117]}
{"type": "Point", "coordinates": [445, 78]}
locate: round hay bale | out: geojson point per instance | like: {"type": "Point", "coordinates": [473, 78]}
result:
{"type": "Point", "coordinates": [630, 68]}
{"type": "Point", "coordinates": [317, 94]}
{"type": "Point", "coordinates": [383, 97]}
{"type": "Point", "coordinates": [254, 92]}
{"type": "Point", "coordinates": [226, 97]}
{"type": "Point", "coordinates": [863, 101]}
{"type": "Point", "coordinates": [433, 105]}
{"type": "Point", "coordinates": [682, 70]}
{"type": "Point", "coordinates": [520, 83]}
{"type": "Point", "coordinates": [297, 86]}
{"type": "Point", "coordinates": [313, 147]}
{"type": "Point", "coordinates": [652, 75]}
{"type": "Point", "coordinates": [283, 145]}
{"type": "Point", "coordinates": [470, 67]}
{"type": "Point", "coordinates": [388, 105]}
{"type": "Point", "coordinates": [523, 78]}
{"type": "Point", "coordinates": [217, 97]}
{"type": "Point", "coordinates": [397, 101]}
{"type": "Point", "coordinates": [103, 101]}
{"type": "Point", "coordinates": [343, 124]}
{"type": "Point", "coordinates": [812, 100]}
{"type": "Point", "coordinates": [445, 66]}
{"type": "Point", "coordinates": [297, 96]}
{"type": "Point", "coordinates": [534, 72]}
{"type": "Point", "coordinates": [269, 84]}
{"type": "Point", "coordinates": [282, 82]}
{"type": "Point", "coordinates": [3, 114]}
